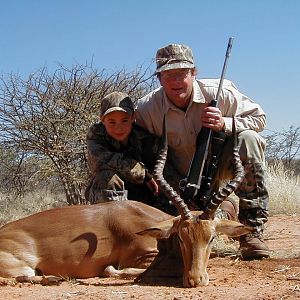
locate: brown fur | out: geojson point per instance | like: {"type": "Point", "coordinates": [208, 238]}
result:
{"type": "Point", "coordinates": [82, 241]}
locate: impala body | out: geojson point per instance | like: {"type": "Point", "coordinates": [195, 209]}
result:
{"type": "Point", "coordinates": [81, 241]}
{"type": "Point", "coordinates": [94, 240]}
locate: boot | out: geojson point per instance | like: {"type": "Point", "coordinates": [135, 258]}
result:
{"type": "Point", "coordinates": [252, 246]}
{"type": "Point", "coordinates": [228, 210]}
{"type": "Point", "coordinates": [230, 207]}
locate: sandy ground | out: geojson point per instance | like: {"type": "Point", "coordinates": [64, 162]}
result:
{"type": "Point", "coordinates": [230, 278]}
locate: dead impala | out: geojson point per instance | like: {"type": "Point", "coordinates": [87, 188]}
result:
{"type": "Point", "coordinates": [87, 240]}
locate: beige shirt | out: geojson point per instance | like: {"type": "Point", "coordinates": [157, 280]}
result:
{"type": "Point", "coordinates": [183, 126]}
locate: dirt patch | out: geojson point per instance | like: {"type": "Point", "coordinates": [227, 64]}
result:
{"type": "Point", "coordinates": [230, 278]}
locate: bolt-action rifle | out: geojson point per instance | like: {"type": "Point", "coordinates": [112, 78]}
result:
{"type": "Point", "coordinates": [197, 187]}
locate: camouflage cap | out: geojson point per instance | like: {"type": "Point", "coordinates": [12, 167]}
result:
{"type": "Point", "coordinates": [174, 56]}
{"type": "Point", "coordinates": [116, 101]}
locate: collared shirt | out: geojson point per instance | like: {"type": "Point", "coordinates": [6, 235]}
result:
{"type": "Point", "coordinates": [183, 126]}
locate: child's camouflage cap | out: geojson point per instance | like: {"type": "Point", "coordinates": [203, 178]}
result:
{"type": "Point", "coordinates": [116, 101]}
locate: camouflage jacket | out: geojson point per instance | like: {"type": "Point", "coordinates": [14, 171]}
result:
{"type": "Point", "coordinates": [132, 163]}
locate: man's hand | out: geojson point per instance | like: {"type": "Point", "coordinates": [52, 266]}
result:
{"type": "Point", "coordinates": [212, 118]}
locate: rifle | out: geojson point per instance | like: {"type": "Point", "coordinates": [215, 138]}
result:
{"type": "Point", "coordinates": [197, 186]}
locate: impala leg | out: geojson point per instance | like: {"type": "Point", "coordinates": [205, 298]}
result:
{"type": "Point", "coordinates": [12, 266]}
{"type": "Point", "coordinates": [43, 280]}
{"type": "Point", "coordinates": [111, 271]}
{"type": "Point", "coordinates": [7, 281]}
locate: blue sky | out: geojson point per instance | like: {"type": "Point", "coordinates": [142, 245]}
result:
{"type": "Point", "coordinates": [264, 62]}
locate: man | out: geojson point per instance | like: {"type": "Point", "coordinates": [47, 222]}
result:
{"type": "Point", "coordinates": [184, 101]}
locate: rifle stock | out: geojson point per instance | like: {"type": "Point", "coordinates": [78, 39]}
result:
{"type": "Point", "coordinates": [192, 184]}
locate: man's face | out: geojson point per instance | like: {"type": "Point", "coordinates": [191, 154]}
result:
{"type": "Point", "coordinates": [178, 85]}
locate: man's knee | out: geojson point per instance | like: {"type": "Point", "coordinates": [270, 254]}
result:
{"type": "Point", "coordinates": [251, 146]}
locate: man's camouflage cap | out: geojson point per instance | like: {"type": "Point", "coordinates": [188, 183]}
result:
{"type": "Point", "coordinates": [174, 56]}
{"type": "Point", "coordinates": [116, 101]}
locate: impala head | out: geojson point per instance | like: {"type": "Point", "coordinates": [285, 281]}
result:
{"type": "Point", "coordinates": [197, 229]}
{"type": "Point", "coordinates": [195, 237]}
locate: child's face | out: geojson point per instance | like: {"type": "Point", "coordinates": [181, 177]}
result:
{"type": "Point", "coordinates": [118, 125]}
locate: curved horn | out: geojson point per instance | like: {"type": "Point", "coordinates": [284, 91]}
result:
{"type": "Point", "coordinates": [232, 185]}
{"type": "Point", "coordinates": [164, 186]}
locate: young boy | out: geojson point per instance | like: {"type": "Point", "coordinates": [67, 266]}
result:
{"type": "Point", "coordinates": [121, 155]}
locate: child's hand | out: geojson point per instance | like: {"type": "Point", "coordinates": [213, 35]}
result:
{"type": "Point", "coordinates": [152, 185]}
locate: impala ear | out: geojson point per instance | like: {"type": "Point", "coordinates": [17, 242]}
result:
{"type": "Point", "coordinates": [162, 230]}
{"type": "Point", "coordinates": [232, 228]}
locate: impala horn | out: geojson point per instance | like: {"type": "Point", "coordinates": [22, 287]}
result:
{"type": "Point", "coordinates": [169, 192]}
{"type": "Point", "coordinates": [232, 185]}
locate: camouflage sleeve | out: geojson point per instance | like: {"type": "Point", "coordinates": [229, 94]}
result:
{"type": "Point", "coordinates": [101, 158]}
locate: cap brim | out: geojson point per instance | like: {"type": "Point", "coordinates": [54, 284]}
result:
{"type": "Point", "coordinates": [178, 65]}
{"type": "Point", "coordinates": [116, 109]}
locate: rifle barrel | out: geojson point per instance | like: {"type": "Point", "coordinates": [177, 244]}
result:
{"type": "Point", "coordinates": [228, 51]}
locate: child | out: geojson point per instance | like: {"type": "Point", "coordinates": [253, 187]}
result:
{"type": "Point", "coordinates": [121, 155]}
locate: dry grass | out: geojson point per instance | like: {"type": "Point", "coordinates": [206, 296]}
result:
{"type": "Point", "coordinates": [284, 190]}
{"type": "Point", "coordinates": [283, 186]}
{"type": "Point", "coordinates": [13, 208]}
